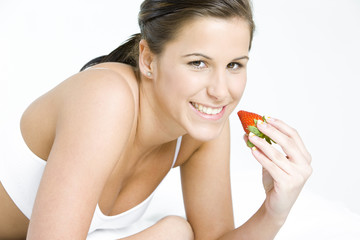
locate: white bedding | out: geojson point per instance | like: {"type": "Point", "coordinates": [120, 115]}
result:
{"type": "Point", "coordinates": [312, 217]}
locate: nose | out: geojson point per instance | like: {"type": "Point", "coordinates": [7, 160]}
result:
{"type": "Point", "coordinates": [218, 87]}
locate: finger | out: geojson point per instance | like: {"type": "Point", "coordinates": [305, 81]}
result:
{"type": "Point", "coordinates": [285, 163]}
{"type": "Point", "coordinates": [286, 137]}
{"type": "Point", "coordinates": [286, 143]}
{"type": "Point", "coordinates": [271, 153]}
{"type": "Point", "coordinates": [291, 132]}
{"type": "Point", "coordinates": [246, 137]}
{"type": "Point", "coordinates": [274, 170]}
{"type": "Point", "coordinates": [246, 140]}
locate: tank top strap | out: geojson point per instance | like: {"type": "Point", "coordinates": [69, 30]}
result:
{"type": "Point", "coordinates": [177, 149]}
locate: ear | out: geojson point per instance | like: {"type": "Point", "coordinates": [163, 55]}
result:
{"type": "Point", "coordinates": [146, 58]}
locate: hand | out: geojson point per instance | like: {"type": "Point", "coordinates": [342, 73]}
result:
{"type": "Point", "coordinates": [284, 174]}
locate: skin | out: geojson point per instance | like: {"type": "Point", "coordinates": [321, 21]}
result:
{"type": "Point", "coordinates": [105, 114]}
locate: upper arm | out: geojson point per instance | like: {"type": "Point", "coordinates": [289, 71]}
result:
{"type": "Point", "coordinates": [93, 125]}
{"type": "Point", "coordinates": [206, 188]}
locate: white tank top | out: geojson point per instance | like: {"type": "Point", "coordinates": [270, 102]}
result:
{"type": "Point", "coordinates": [21, 171]}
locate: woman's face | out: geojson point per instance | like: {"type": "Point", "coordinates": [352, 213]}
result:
{"type": "Point", "coordinates": [200, 76]}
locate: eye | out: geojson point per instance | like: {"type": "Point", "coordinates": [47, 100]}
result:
{"type": "Point", "coordinates": [197, 64]}
{"type": "Point", "coordinates": [234, 66]}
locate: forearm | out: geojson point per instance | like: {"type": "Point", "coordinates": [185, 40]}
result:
{"type": "Point", "coordinates": [261, 226]}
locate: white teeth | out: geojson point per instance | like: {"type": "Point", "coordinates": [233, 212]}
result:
{"type": "Point", "coordinates": [207, 110]}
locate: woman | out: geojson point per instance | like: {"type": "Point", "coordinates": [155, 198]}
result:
{"type": "Point", "coordinates": [95, 147]}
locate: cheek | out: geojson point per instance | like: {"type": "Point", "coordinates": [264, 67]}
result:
{"type": "Point", "coordinates": [237, 87]}
{"type": "Point", "coordinates": [171, 82]}
{"type": "Point", "coordinates": [178, 80]}
{"type": "Point", "coordinates": [172, 85]}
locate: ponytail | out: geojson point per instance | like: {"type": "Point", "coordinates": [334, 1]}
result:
{"type": "Point", "coordinates": [127, 53]}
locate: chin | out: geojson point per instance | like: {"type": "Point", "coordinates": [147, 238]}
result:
{"type": "Point", "coordinates": [205, 133]}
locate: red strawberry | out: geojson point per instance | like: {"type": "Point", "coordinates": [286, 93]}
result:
{"type": "Point", "coordinates": [249, 121]}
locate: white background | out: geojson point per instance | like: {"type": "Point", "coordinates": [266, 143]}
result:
{"type": "Point", "coordinates": [304, 69]}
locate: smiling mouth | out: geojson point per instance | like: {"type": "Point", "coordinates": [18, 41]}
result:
{"type": "Point", "coordinates": [207, 110]}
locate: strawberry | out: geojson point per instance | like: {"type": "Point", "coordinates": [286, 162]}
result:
{"type": "Point", "coordinates": [249, 121]}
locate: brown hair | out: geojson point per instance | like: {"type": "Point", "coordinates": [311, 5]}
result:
{"type": "Point", "coordinates": [160, 20]}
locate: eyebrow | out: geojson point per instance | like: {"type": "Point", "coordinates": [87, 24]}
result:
{"type": "Point", "coordinates": [207, 57]}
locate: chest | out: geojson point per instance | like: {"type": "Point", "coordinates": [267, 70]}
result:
{"type": "Point", "coordinates": [132, 183]}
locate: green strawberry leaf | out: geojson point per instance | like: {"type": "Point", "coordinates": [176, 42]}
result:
{"type": "Point", "coordinates": [249, 144]}
{"type": "Point", "coordinates": [256, 131]}
{"type": "Point", "coordinates": [268, 139]}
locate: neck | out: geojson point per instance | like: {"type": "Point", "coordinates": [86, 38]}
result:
{"type": "Point", "coordinates": [154, 126]}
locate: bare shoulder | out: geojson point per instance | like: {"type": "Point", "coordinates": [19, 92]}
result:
{"type": "Point", "coordinates": [94, 96]}
{"type": "Point", "coordinates": [106, 81]}
{"type": "Point", "coordinates": [99, 102]}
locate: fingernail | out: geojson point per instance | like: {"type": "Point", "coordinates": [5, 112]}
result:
{"type": "Point", "coordinates": [251, 134]}
{"type": "Point", "coordinates": [261, 123]}
{"type": "Point", "coordinates": [269, 119]}
{"type": "Point", "coordinates": [254, 148]}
